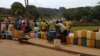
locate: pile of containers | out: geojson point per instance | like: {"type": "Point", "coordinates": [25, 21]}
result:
{"type": "Point", "coordinates": [82, 38]}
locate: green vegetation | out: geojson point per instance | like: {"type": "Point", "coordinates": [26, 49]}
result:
{"type": "Point", "coordinates": [75, 28]}
{"type": "Point", "coordinates": [91, 28]}
{"type": "Point", "coordinates": [87, 14]}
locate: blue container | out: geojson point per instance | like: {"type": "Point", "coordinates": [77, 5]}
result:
{"type": "Point", "coordinates": [84, 41]}
{"type": "Point", "coordinates": [52, 33]}
{"type": "Point", "coordinates": [75, 41]}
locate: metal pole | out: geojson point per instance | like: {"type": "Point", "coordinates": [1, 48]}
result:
{"type": "Point", "coordinates": [26, 5]}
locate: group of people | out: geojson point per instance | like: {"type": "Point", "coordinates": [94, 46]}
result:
{"type": "Point", "coordinates": [62, 29]}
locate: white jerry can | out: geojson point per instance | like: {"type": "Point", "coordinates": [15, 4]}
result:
{"type": "Point", "coordinates": [57, 43]}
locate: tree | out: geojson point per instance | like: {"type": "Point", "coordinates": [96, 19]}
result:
{"type": "Point", "coordinates": [33, 13]}
{"type": "Point", "coordinates": [17, 9]}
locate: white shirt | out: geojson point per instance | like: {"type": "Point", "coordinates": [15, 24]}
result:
{"type": "Point", "coordinates": [62, 27]}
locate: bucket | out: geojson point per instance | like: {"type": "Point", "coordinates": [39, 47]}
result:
{"type": "Point", "coordinates": [57, 43]}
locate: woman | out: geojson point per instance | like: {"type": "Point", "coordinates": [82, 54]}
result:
{"type": "Point", "coordinates": [23, 25]}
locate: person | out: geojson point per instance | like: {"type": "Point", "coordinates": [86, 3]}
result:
{"type": "Point", "coordinates": [36, 30]}
{"type": "Point", "coordinates": [63, 31]}
{"type": "Point", "coordinates": [23, 25]}
{"type": "Point", "coordinates": [6, 23]}
{"type": "Point", "coordinates": [57, 27]}
{"type": "Point", "coordinates": [31, 23]}
{"type": "Point", "coordinates": [68, 24]}
{"type": "Point", "coordinates": [27, 28]}
{"type": "Point", "coordinates": [43, 26]}
{"type": "Point", "coordinates": [25, 36]}
{"type": "Point", "coordinates": [17, 24]}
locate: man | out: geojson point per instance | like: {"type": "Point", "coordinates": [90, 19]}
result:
{"type": "Point", "coordinates": [63, 30]}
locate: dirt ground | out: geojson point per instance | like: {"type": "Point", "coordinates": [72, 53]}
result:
{"type": "Point", "coordinates": [13, 48]}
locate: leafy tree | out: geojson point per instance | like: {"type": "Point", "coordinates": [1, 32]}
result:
{"type": "Point", "coordinates": [17, 9]}
{"type": "Point", "coordinates": [33, 13]}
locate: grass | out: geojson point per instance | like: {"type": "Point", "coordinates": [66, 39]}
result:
{"type": "Point", "coordinates": [75, 28]}
{"type": "Point", "coordinates": [91, 28]}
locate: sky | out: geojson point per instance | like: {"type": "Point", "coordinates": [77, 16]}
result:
{"type": "Point", "coordinates": [52, 3]}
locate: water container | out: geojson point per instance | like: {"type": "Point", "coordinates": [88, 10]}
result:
{"type": "Point", "coordinates": [39, 35]}
{"type": "Point", "coordinates": [88, 43]}
{"type": "Point", "coordinates": [52, 33]}
{"type": "Point", "coordinates": [93, 35]}
{"type": "Point", "coordinates": [84, 41]}
{"type": "Point", "coordinates": [15, 33]}
{"type": "Point", "coordinates": [32, 35]}
{"type": "Point", "coordinates": [3, 26]}
{"type": "Point", "coordinates": [43, 35]}
{"type": "Point", "coordinates": [93, 41]}
{"type": "Point", "coordinates": [79, 34]}
{"type": "Point", "coordinates": [97, 44]}
{"type": "Point", "coordinates": [11, 27]}
{"type": "Point", "coordinates": [79, 41]}
{"type": "Point", "coordinates": [89, 35]}
{"type": "Point", "coordinates": [70, 38]}
{"type": "Point", "coordinates": [75, 34]}
{"type": "Point", "coordinates": [75, 41]}
{"type": "Point", "coordinates": [84, 33]}
{"type": "Point", "coordinates": [57, 43]}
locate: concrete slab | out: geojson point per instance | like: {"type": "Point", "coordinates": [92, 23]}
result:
{"type": "Point", "coordinates": [70, 48]}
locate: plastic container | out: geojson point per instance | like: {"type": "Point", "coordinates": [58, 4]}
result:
{"type": "Point", "coordinates": [79, 41]}
{"type": "Point", "coordinates": [32, 35]}
{"type": "Point", "coordinates": [93, 41]}
{"type": "Point", "coordinates": [97, 44]}
{"type": "Point", "coordinates": [79, 34]}
{"type": "Point", "coordinates": [89, 35]}
{"type": "Point", "coordinates": [97, 35]}
{"type": "Point", "coordinates": [76, 34]}
{"type": "Point", "coordinates": [84, 33]}
{"type": "Point", "coordinates": [70, 38]}
{"type": "Point", "coordinates": [57, 43]}
{"type": "Point", "coordinates": [3, 26]}
{"type": "Point", "coordinates": [43, 35]}
{"type": "Point", "coordinates": [88, 43]}
{"type": "Point", "coordinates": [52, 33]}
{"type": "Point", "coordinates": [84, 41]}
{"type": "Point", "coordinates": [75, 41]}
{"type": "Point", "coordinates": [11, 27]}
{"type": "Point", "coordinates": [67, 39]}
{"type": "Point", "coordinates": [15, 33]}
{"type": "Point", "coordinates": [93, 34]}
